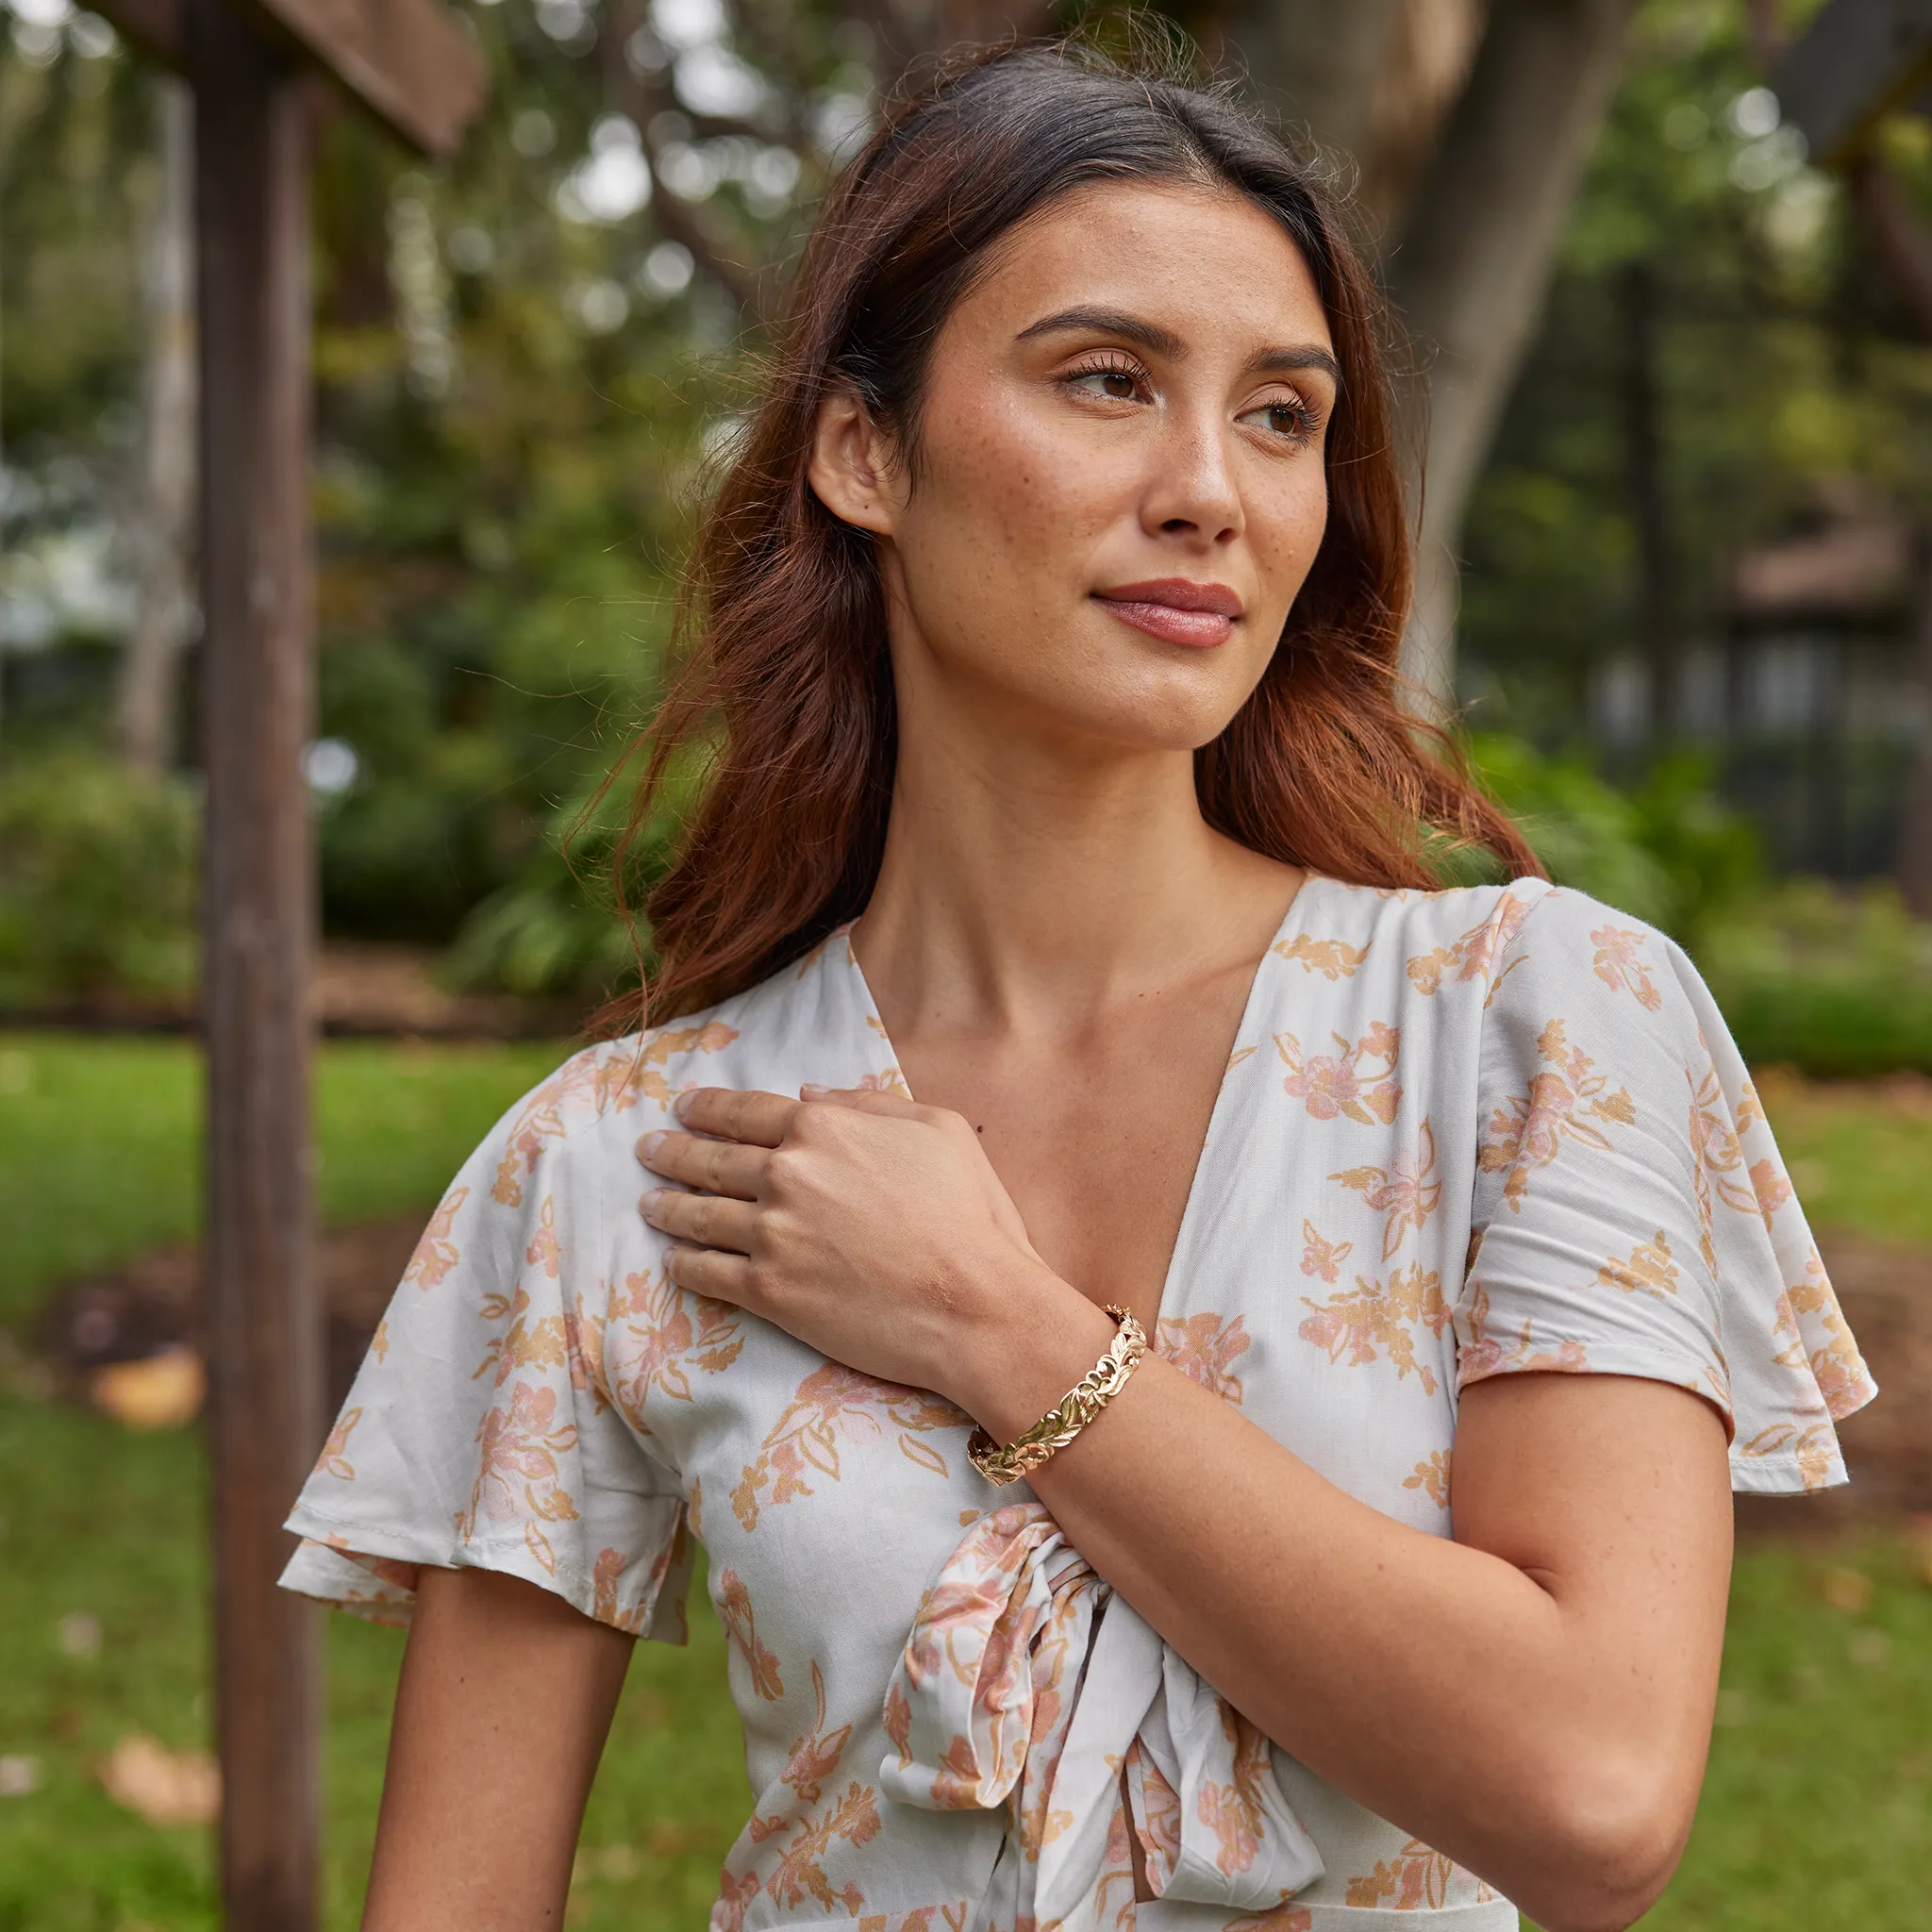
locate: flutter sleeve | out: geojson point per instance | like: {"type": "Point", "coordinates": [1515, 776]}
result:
{"type": "Point", "coordinates": [480, 1431]}
{"type": "Point", "coordinates": [1631, 1213]}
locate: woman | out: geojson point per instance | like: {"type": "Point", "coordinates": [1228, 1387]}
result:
{"type": "Point", "coordinates": [1051, 612]}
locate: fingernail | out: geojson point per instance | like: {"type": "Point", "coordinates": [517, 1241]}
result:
{"type": "Point", "coordinates": [812, 1091]}
{"type": "Point", "coordinates": [681, 1105]}
{"type": "Point", "coordinates": [649, 1145]}
{"type": "Point", "coordinates": [649, 1203]}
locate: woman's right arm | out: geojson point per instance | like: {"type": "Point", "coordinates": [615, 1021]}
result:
{"type": "Point", "coordinates": [506, 1698]}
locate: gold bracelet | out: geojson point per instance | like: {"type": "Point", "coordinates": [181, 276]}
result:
{"type": "Point", "coordinates": [1070, 1415]}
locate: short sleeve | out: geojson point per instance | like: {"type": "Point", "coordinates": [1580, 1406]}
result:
{"type": "Point", "coordinates": [1631, 1214]}
{"type": "Point", "coordinates": [480, 1431]}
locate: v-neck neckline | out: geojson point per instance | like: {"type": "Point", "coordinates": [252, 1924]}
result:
{"type": "Point", "coordinates": [1293, 922]}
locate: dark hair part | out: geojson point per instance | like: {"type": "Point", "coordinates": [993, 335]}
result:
{"type": "Point", "coordinates": [786, 675]}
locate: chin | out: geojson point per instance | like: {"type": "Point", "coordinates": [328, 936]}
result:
{"type": "Point", "coordinates": [1149, 723]}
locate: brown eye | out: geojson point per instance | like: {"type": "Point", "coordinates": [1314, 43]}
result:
{"type": "Point", "coordinates": [1292, 419]}
{"type": "Point", "coordinates": [1118, 383]}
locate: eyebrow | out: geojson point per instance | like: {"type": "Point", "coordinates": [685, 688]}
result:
{"type": "Point", "coordinates": [1160, 341]}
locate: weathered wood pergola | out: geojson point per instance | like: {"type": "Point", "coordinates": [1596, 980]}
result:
{"type": "Point", "coordinates": [258, 70]}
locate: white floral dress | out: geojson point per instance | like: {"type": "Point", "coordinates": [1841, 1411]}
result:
{"type": "Point", "coordinates": [1461, 1134]}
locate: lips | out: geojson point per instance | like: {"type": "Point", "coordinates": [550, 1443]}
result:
{"type": "Point", "coordinates": [1176, 609]}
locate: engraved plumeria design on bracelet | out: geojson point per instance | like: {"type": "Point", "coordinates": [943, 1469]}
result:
{"type": "Point", "coordinates": [1071, 1414]}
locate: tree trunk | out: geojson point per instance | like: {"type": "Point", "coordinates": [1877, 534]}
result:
{"type": "Point", "coordinates": [1369, 80]}
{"type": "Point", "coordinates": [162, 520]}
{"type": "Point", "coordinates": [1476, 255]}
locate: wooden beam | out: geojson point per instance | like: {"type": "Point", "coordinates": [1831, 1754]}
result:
{"type": "Point", "coordinates": [264, 1330]}
{"type": "Point", "coordinates": [1857, 61]}
{"type": "Point", "coordinates": [413, 63]}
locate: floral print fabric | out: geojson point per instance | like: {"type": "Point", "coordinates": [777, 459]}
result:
{"type": "Point", "coordinates": [984, 1710]}
{"type": "Point", "coordinates": [1461, 1134]}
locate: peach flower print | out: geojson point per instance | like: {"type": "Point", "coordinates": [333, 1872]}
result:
{"type": "Point", "coordinates": [735, 1894]}
{"type": "Point", "coordinates": [831, 1402]}
{"type": "Point", "coordinates": [1836, 1364]}
{"type": "Point", "coordinates": [668, 1332]}
{"type": "Point", "coordinates": [1431, 1477]}
{"type": "Point", "coordinates": [583, 1350]}
{"type": "Point", "coordinates": [605, 1574]}
{"type": "Point", "coordinates": [1333, 959]}
{"type": "Point", "coordinates": [334, 1459]}
{"type": "Point", "coordinates": [735, 1613]}
{"type": "Point", "coordinates": [1480, 1353]}
{"type": "Point", "coordinates": [1416, 1879]}
{"type": "Point", "coordinates": [1280, 1918]}
{"type": "Point", "coordinates": [1474, 955]}
{"type": "Point", "coordinates": [526, 1344]}
{"type": "Point", "coordinates": [1720, 1173]}
{"type": "Point", "coordinates": [542, 1252]}
{"type": "Point", "coordinates": [1233, 1812]}
{"type": "Point", "coordinates": [517, 1473]}
{"type": "Point", "coordinates": [436, 1254]}
{"type": "Point", "coordinates": [1618, 965]}
{"type": "Point", "coordinates": [1356, 1080]}
{"type": "Point", "coordinates": [604, 1077]}
{"type": "Point", "coordinates": [1528, 1130]}
{"type": "Point", "coordinates": [1204, 1348]}
{"type": "Point", "coordinates": [1814, 1446]}
{"type": "Point", "coordinates": [1405, 1191]}
{"type": "Point", "coordinates": [1650, 1270]}
{"type": "Point", "coordinates": [378, 1342]}
{"type": "Point", "coordinates": [1376, 1319]}
{"type": "Point", "coordinates": [815, 1757]}
{"type": "Point", "coordinates": [800, 1875]}
{"type": "Point", "coordinates": [1323, 1257]}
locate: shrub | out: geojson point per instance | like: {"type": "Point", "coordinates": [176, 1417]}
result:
{"type": "Point", "coordinates": [1836, 983]}
{"type": "Point", "coordinates": [97, 881]}
{"type": "Point", "coordinates": [1671, 852]}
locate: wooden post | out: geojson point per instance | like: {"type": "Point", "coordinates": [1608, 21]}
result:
{"type": "Point", "coordinates": [252, 113]}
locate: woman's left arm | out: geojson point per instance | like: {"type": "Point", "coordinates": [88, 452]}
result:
{"type": "Point", "coordinates": [1532, 1699]}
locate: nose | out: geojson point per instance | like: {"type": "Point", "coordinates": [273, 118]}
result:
{"type": "Point", "coordinates": [1191, 491]}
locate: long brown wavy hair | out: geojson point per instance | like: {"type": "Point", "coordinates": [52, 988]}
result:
{"type": "Point", "coordinates": [784, 690]}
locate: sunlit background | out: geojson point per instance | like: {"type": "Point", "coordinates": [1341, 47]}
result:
{"type": "Point", "coordinates": [1689, 488]}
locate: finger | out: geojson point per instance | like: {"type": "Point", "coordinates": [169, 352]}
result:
{"type": "Point", "coordinates": [707, 1272]}
{"type": "Point", "coordinates": [755, 1120]}
{"type": "Point", "coordinates": [717, 1167]}
{"type": "Point", "coordinates": [708, 1220]}
{"type": "Point", "coordinates": [864, 1100]}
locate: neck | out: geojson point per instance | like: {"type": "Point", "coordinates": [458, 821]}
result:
{"type": "Point", "coordinates": [1026, 886]}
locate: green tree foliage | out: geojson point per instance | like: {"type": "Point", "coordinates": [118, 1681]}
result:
{"type": "Point", "coordinates": [1781, 364]}
{"type": "Point", "coordinates": [96, 881]}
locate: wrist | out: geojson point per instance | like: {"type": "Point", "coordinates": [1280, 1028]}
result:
{"type": "Point", "coordinates": [1037, 1336]}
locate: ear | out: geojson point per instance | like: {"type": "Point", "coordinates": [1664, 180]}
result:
{"type": "Point", "coordinates": [851, 470]}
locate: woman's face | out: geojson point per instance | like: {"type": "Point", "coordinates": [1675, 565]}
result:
{"type": "Point", "coordinates": [1119, 486]}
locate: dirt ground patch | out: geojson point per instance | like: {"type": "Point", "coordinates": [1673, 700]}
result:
{"type": "Point", "coordinates": [1886, 1289]}
{"type": "Point", "coordinates": [151, 1304]}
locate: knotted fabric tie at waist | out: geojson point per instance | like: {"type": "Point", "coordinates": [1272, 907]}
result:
{"type": "Point", "coordinates": [1026, 1681]}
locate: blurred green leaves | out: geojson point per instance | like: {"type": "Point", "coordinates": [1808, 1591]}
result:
{"type": "Point", "coordinates": [97, 881]}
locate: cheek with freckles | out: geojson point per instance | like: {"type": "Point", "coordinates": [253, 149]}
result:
{"type": "Point", "coordinates": [996, 553]}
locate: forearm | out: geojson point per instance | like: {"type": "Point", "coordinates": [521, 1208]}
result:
{"type": "Point", "coordinates": [1499, 1714]}
{"type": "Point", "coordinates": [505, 1699]}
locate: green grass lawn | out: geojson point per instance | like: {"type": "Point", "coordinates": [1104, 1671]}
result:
{"type": "Point", "coordinates": [100, 1140]}
{"type": "Point", "coordinates": [1817, 1811]}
